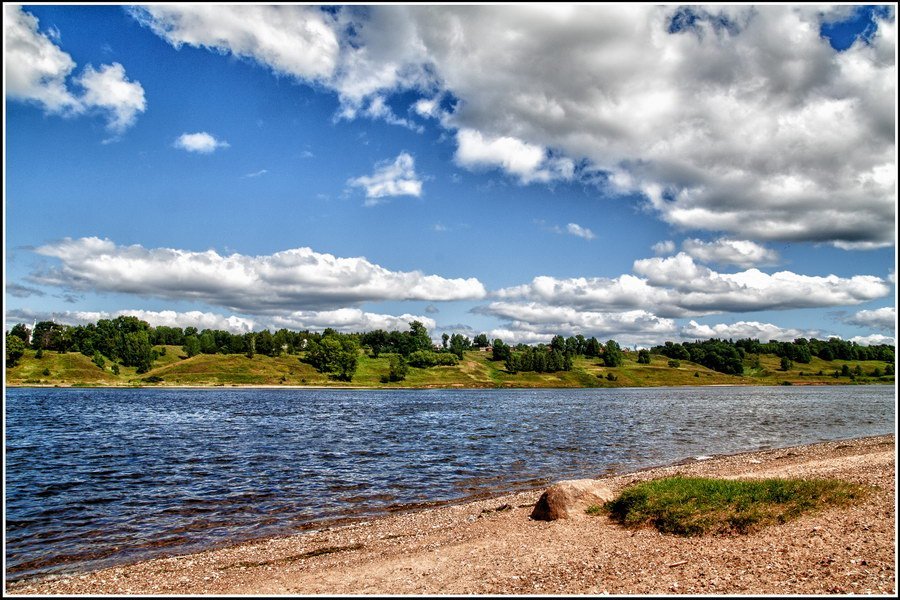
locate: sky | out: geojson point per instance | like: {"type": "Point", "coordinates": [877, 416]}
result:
{"type": "Point", "coordinates": [629, 172]}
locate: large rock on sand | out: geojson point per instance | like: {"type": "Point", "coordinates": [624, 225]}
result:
{"type": "Point", "coordinates": [570, 499]}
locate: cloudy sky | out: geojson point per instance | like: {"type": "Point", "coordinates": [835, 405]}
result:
{"type": "Point", "coordinates": [626, 172]}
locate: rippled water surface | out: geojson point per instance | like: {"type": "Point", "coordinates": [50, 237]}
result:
{"type": "Point", "coordinates": [95, 477]}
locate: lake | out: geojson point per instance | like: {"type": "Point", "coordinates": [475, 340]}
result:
{"type": "Point", "coordinates": [96, 477]}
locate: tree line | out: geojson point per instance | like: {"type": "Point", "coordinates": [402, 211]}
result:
{"type": "Point", "coordinates": [129, 341]}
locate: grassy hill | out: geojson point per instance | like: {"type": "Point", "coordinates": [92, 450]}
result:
{"type": "Point", "coordinates": [476, 370]}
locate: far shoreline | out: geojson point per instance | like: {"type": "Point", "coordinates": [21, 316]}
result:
{"type": "Point", "coordinates": [427, 387]}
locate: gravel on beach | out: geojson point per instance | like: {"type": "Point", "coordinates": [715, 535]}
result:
{"type": "Point", "coordinates": [492, 547]}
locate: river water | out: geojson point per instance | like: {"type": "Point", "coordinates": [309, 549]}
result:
{"type": "Point", "coordinates": [97, 477]}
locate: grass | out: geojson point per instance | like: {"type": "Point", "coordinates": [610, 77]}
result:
{"type": "Point", "coordinates": [691, 506]}
{"type": "Point", "coordinates": [476, 370]}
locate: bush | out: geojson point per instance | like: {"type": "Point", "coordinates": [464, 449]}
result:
{"type": "Point", "coordinates": [45, 372]}
{"type": "Point", "coordinates": [425, 358]}
{"type": "Point", "coordinates": [611, 377]}
{"type": "Point", "coordinates": [674, 364]}
{"type": "Point", "coordinates": [153, 379]}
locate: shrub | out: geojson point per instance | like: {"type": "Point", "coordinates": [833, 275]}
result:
{"type": "Point", "coordinates": [674, 364]}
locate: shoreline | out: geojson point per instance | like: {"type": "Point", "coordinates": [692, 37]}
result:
{"type": "Point", "coordinates": [458, 543]}
{"type": "Point", "coordinates": [418, 388]}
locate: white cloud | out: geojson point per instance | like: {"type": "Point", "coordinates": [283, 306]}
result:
{"type": "Point", "coordinates": [741, 253]}
{"type": "Point", "coordinates": [298, 41]}
{"type": "Point", "coordinates": [743, 120]}
{"type": "Point", "coordinates": [348, 320]}
{"type": "Point", "coordinates": [259, 173]}
{"type": "Point", "coordinates": [579, 231]}
{"type": "Point", "coordinates": [109, 89]}
{"type": "Point", "coordinates": [36, 71]}
{"type": "Point", "coordinates": [874, 340]}
{"type": "Point", "coordinates": [295, 279]}
{"type": "Point", "coordinates": [663, 247]}
{"type": "Point", "coordinates": [396, 178]}
{"type": "Point", "coordinates": [201, 143]}
{"type": "Point", "coordinates": [168, 318]}
{"type": "Point", "coordinates": [747, 329]}
{"type": "Point", "coordinates": [676, 286]}
{"type": "Point", "coordinates": [884, 319]}
{"type": "Point", "coordinates": [528, 162]}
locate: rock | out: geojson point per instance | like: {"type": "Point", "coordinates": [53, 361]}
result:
{"type": "Point", "coordinates": [569, 499]}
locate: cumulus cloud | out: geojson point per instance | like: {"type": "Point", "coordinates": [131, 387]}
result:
{"type": "Point", "coordinates": [676, 287]}
{"type": "Point", "coordinates": [168, 318]}
{"type": "Point", "coordinates": [396, 178]}
{"type": "Point", "coordinates": [579, 231]}
{"type": "Point", "coordinates": [741, 253]}
{"type": "Point", "coordinates": [37, 69]}
{"type": "Point", "coordinates": [297, 41]}
{"type": "Point", "coordinates": [663, 247]}
{"type": "Point", "coordinates": [346, 320]}
{"type": "Point", "coordinates": [109, 90]}
{"type": "Point", "coordinates": [883, 319]}
{"type": "Point", "coordinates": [542, 318]}
{"type": "Point", "coordinates": [747, 329]}
{"type": "Point", "coordinates": [529, 162]}
{"type": "Point", "coordinates": [203, 143]}
{"type": "Point", "coordinates": [874, 340]}
{"type": "Point", "coordinates": [294, 279]}
{"type": "Point", "coordinates": [741, 120]}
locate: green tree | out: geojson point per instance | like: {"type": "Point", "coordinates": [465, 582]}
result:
{"type": "Point", "coordinates": [398, 368]}
{"type": "Point", "coordinates": [137, 351]}
{"type": "Point", "coordinates": [15, 348]}
{"type": "Point", "coordinates": [191, 346]}
{"type": "Point", "coordinates": [643, 357]}
{"type": "Point", "coordinates": [444, 339]}
{"type": "Point", "coordinates": [612, 354]}
{"type": "Point", "coordinates": [21, 331]}
{"type": "Point", "coordinates": [786, 363]}
{"type": "Point", "coordinates": [481, 341]}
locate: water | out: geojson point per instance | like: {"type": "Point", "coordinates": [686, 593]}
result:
{"type": "Point", "coordinates": [97, 477]}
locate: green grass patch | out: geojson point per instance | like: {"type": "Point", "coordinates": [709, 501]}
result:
{"type": "Point", "coordinates": [695, 505]}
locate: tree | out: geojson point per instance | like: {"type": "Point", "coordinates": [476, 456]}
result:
{"type": "Point", "coordinates": [22, 332]}
{"type": "Point", "coordinates": [15, 348]}
{"type": "Point", "coordinates": [398, 369]}
{"type": "Point", "coordinates": [459, 344]}
{"type": "Point", "coordinates": [191, 346]}
{"type": "Point", "coordinates": [481, 341]}
{"type": "Point", "coordinates": [137, 351]}
{"type": "Point", "coordinates": [335, 354]}
{"type": "Point", "coordinates": [250, 344]}
{"type": "Point", "coordinates": [786, 363]}
{"type": "Point", "coordinates": [612, 354]}
{"type": "Point", "coordinates": [444, 339]}
{"type": "Point", "coordinates": [643, 357]}
{"type": "Point", "coordinates": [499, 350]}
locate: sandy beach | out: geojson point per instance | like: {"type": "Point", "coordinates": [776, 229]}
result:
{"type": "Point", "coordinates": [492, 547]}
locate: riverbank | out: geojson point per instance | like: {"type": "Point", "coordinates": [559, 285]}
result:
{"type": "Point", "coordinates": [477, 370]}
{"type": "Point", "coordinates": [492, 547]}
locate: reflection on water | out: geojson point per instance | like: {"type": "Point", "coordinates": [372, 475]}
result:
{"type": "Point", "coordinates": [95, 477]}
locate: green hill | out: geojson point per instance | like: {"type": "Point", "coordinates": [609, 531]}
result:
{"type": "Point", "coordinates": [476, 370]}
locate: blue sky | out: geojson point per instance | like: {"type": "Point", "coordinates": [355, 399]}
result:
{"type": "Point", "coordinates": [632, 173]}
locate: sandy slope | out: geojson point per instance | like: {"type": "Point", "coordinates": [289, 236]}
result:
{"type": "Point", "coordinates": [474, 548]}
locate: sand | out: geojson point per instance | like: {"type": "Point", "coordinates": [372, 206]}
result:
{"type": "Point", "coordinates": [475, 548]}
